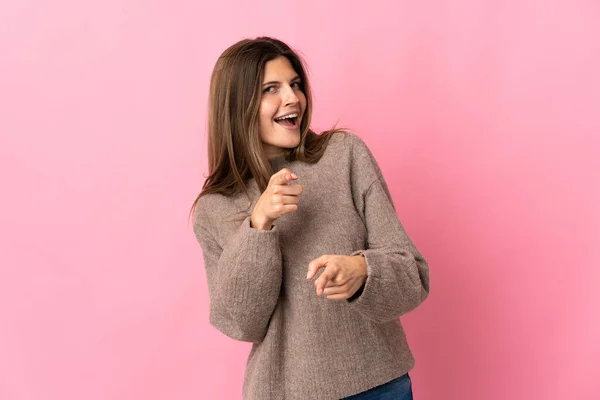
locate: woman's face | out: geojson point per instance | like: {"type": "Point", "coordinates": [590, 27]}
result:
{"type": "Point", "coordinates": [281, 97]}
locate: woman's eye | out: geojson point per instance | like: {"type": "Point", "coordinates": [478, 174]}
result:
{"type": "Point", "coordinates": [296, 85]}
{"type": "Point", "coordinates": [270, 89]}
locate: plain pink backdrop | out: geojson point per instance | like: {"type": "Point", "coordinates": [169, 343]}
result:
{"type": "Point", "coordinates": [484, 116]}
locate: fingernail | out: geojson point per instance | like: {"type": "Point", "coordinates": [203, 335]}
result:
{"type": "Point", "coordinates": [294, 176]}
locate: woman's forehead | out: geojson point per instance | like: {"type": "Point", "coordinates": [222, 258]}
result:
{"type": "Point", "coordinates": [279, 69]}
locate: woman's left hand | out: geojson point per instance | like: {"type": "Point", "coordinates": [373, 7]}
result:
{"type": "Point", "coordinates": [343, 275]}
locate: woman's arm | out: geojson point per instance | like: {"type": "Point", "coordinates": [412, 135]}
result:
{"type": "Point", "coordinates": [244, 279]}
{"type": "Point", "coordinates": [397, 274]}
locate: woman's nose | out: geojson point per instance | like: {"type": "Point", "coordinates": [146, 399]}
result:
{"type": "Point", "coordinates": [289, 96]}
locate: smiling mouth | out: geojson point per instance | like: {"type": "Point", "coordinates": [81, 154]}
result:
{"type": "Point", "coordinates": [289, 121]}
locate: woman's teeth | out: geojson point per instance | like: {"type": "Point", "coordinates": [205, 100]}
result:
{"type": "Point", "coordinates": [289, 116]}
{"type": "Point", "coordinates": [289, 119]}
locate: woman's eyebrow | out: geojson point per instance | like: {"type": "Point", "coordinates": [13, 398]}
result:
{"type": "Point", "coordinates": [296, 78]}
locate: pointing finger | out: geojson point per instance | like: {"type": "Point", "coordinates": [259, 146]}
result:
{"type": "Point", "coordinates": [283, 177]}
{"type": "Point", "coordinates": [322, 281]}
{"type": "Point", "coordinates": [314, 266]}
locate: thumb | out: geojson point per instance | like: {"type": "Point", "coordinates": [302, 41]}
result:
{"type": "Point", "coordinates": [315, 265]}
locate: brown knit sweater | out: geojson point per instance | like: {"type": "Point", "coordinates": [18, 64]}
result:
{"type": "Point", "coordinates": [304, 346]}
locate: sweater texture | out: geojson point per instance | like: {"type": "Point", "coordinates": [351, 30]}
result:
{"type": "Point", "coordinates": [306, 346]}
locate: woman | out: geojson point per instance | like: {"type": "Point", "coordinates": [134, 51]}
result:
{"type": "Point", "coordinates": [282, 204]}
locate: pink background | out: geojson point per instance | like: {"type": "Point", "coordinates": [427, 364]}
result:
{"type": "Point", "coordinates": [484, 116]}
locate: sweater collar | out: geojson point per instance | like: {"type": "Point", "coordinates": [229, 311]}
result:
{"type": "Point", "coordinates": [278, 162]}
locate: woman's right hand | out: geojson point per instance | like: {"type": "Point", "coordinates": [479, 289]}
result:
{"type": "Point", "coordinates": [278, 199]}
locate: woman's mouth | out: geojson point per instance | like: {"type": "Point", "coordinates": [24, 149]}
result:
{"type": "Point", "coordinates": [289, 121]}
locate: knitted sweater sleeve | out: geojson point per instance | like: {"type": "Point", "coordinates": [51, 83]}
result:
{"type": "Point", "coordinates": [244, 279]}
{"type": "Point", "coordinates": [397, 274]}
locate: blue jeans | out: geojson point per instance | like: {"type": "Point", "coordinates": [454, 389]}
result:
{"type": "Point", "coordinates": [398, 389]}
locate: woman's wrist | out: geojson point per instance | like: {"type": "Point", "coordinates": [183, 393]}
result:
{"type": "Point", "coordinates": [262, 224]}
{"type": "Point", "coordinates": [362, 261]}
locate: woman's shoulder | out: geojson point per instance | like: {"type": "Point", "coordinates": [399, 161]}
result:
{"type": "Point", "coordinates": [213, 207]}
{"type": "Point", "coordinates": [346, 144]}
{"type": "Point", "coordinates": [210, 202]}
{"type": "Point", "coordinates": [204, 208]}
{"type": "Point", "coordinates": [348, 148]}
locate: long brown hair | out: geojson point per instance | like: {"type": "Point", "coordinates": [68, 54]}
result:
{"type": "Point", "coordinates": [235, 152]}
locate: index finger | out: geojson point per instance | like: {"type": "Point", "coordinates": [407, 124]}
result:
{"type": "Point", "coordinates": [322, 281]}
{"type": "Point", "coordinates": [282, 177]}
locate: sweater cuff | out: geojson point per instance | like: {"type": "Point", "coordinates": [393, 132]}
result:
{"type": "Point", "coordinates": [248, 229]}
{"type": "Point", "coordinates": [251, 245]}
{"type": "Point", "coordinates": [259, 240]}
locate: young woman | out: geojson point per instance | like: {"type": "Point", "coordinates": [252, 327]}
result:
{"type": "Point", "coordinates": [304, 254]}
